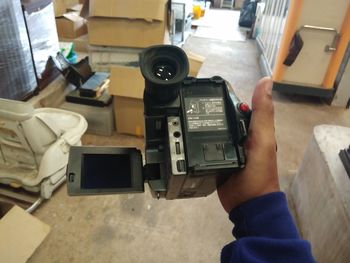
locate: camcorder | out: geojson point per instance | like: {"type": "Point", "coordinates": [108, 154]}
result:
{"type": "Point", "coordinates": [194, 136]}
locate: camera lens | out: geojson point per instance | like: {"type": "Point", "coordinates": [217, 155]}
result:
{"type": "Point", "coordinates": [164, 71]}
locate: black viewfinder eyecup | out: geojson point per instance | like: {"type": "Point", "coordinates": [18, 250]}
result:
{"type": "Point", "coordinates": [164, 67]}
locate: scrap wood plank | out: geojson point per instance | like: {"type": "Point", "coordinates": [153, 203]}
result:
{"type": "Point", "coordinates": [21, 234]}
{"type": "Point", "coordinates": [19, 196]}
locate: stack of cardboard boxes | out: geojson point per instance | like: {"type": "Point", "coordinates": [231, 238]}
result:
{"type": "Point", "coordinates": [70, 23]}
{"type": "Point", "coordinates": [118, 31]}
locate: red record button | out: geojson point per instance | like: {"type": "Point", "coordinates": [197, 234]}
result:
{"type": "Point", "coordinates": [243, 107]}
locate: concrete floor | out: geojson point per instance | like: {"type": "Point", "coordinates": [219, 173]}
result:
{"type": "Point", "coordinates": [138, 228]}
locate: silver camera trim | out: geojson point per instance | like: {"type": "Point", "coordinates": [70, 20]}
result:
{"type": "Point", "coordinates": [176, 145]}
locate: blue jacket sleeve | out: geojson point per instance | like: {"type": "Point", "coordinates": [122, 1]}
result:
{"type": "Point", "coordinates": [265, 232]}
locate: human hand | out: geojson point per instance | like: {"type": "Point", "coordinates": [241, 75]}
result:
{"type": "Point", "coordinates": [260, 176]}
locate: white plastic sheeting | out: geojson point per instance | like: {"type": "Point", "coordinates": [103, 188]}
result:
{"type": "Point", "coordinates": [43, 36]}
{"type": "Point", "coordinates": [16, 65]}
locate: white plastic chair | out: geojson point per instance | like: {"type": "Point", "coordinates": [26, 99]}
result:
{"type": "Point", "coordinates": [34, 145]}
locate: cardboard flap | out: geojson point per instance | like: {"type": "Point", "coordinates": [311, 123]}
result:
{"type": "Point", "coordinates": [126, 82]}
{"type": "Point", "coordinates": [75, 8]}
{"type": "Point", "coordinates": [148, 10]}
{"type": "Point", "coordinates": [84, 13]}
{"type": "Point", "coordinates": [74, 17]}
{"type": "Point", "coordinates": [21, 234]}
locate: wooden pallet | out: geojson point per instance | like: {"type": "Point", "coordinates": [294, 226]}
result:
{"type": "Point", "coordinates": [20, 197]}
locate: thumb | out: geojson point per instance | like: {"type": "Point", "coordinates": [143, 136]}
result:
{"type": "Point", "coordinates": [262, 104]}
{"type": "Point", "coordinates": [262, 122]}
{"type": "Point", "coordinates": [260, 174]}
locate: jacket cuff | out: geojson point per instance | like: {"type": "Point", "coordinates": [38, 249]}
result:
{"type": "Point", "coordinates": [264, 216]}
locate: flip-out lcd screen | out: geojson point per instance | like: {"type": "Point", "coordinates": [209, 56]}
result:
{"type": "Point", "coordinates": [106, 171]}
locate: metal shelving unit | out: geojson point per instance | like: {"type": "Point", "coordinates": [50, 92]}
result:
{"type": "Point", "coordinates": [227, 4]}
{"type": "Point", "coordinates": [180, 19]}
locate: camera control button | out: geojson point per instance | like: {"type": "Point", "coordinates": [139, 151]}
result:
{"type": "Point", "coordinates": [243, 128]}
{"type": "Point", "coordinates": [243, 107]}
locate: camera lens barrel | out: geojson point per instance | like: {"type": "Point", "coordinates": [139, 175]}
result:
{"type": "Point", "coordinates": [164, 67]}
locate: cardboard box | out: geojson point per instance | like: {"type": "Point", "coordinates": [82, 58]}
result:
{"type": "Point", "coordinates": [238, 4]}
{"type": "Point", "coordinates": [70, 3]}
{"type": "Point", "coordinates": [21, 234]}
{"type": "Point", "coordinates": [136, 9]}
{"type": "Point", "coordinates": [80, 43]}
{"type": "Point", "coordinates": [196, 62]}
{"type": "Point", "coordinates": [75, 8]}
{"type": "Point", "coordinates": [127, 85]}
{"type": "Point", "coordinates": [135, 23]}
{"type": "Point", "coordinates": [126, 82]}
{"type": "Point", "coordinates": [125, 32]}
{"type": "Point", "coordinates": [71, 25]}
{"type": "Point", "coordinates": [61, 6]}
{"type": "Point", "coordinates": [129, 116]}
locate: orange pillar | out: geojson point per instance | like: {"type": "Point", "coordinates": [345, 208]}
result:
{"type": "Point", "coordinates": [338, 55]}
